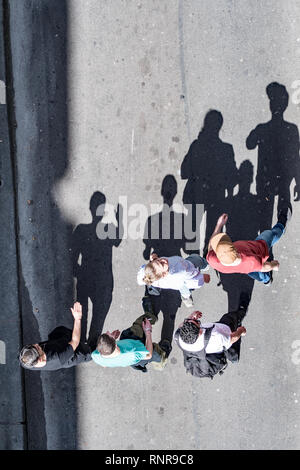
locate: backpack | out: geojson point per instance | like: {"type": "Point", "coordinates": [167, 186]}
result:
{"type": "Point", "coordinates": [201, 364]}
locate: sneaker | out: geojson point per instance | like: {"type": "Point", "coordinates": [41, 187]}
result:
{"type": "Point", "coordinates": [165, 345]}
{"type": "Point", "coordinates": [189, 303]}
{"type": "Point", "coordinates": [267, 284]}
{"type": "Point", "coordinates": [153, 290]}
{"type": "Point", "coordinates": [284, 216]}
{"type": "Point", "coordinates": [202, 270]}
{"type": "Point", "coordinates": [162, 364]}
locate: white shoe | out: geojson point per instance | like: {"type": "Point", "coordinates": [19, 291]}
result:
{"type": "Point", "coordinates": [205, 269]}
{"type": "Point", "coordinates": [189, 303]}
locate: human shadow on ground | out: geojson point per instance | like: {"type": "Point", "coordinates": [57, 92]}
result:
{"type": "Point", "coordinates": [278, 160]}
{"type": "Point", "coordinates": [211, 173]}
{"type": "Point", "coordinates": [210, 170]}
{"type": "Point", "coordinates": [243, 224]}
{"type": "Point", "coordinates": [92, 250]}
{"type": "Point", "coordinates": [51, 397]}
{"type": "Point", "coordinates": [164, 235]}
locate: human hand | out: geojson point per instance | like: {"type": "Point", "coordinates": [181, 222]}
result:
{"type": "Point", "coordinates": [222, 220]}
{"type": "Point", "coordinates": [77, 311]}
{"type": "Point", "coordinates": [206, 278]}
{"type": "Point", "coordinates": [275, 265]}
{"type": "Point", "coordinates": [196, 315]}
{"type": "Point", "coordinates": [147, 327]}
{"type": "Point", "coordinates": [153, 256]}
{"type": "Point", "coordinates": [115, 334]}
{"type": "Point", "coordinates": [241, 331]}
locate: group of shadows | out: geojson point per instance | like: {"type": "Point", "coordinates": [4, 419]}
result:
{"type": "Point", "coordinates": [212, 178]}
{"type": "Point", "coordinates": [211, 174]}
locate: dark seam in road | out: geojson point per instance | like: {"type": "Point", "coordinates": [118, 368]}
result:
{"type": "Point", "coordinates": [12, 124]}
{"type": "Point", "coordinates": [7, 423]}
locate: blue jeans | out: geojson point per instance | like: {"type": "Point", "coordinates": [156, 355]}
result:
{"type": "Point", "coordinates": [199, 263]}
{"type": "Point", "coordinates": [271, 237]}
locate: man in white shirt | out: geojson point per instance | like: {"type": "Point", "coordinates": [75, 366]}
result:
{"type": "Point", "coordinates": [225, 332]}
{"type": "Point", "coordinates": [175, 272]}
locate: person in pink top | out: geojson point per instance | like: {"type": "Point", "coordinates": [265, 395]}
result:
{"type": "Point", "coordinates": [246, 256]}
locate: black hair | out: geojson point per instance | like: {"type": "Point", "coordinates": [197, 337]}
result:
{"type": "Point", "coordinates": [189, 332]}
{"type": "Point", "coordinates": [29, 356]}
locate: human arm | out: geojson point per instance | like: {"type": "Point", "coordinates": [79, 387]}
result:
{"type": "Point", "coordinates": [235, 335]}
{"type": "Point", "coordinates": [196, 315]}
{"type": "Point", "coordinates": [252, 139]}
{"type": "Point", "coordinates": [76, 333]}
{"type": "Point", "coordinates": [76, 243]}
{"type": "Point", "coordinates": [186, 171]}
{"type": "Point", "coordinates": [147, 327]}
{"type": "Point", "coordinates": [270, 266]}
{"type": "Point", "coordinates": [115, 334]}
{"type": "Point", "coordinates": [222, 220]}
{"type": "Point", "coordinates": [295, 139]}
{"type": "Point", "coordinates": [232, 174]}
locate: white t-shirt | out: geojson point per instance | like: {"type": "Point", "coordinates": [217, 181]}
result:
{"type": "Point", "coordinates": [219, 339]}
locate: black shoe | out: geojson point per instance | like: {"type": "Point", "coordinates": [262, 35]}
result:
{"type": "Point", "coordinates": [141, 368]}
{"type": "Point", "coordinates": [165, 346]}
{"type": "Point", "coordinates": [270, 280]}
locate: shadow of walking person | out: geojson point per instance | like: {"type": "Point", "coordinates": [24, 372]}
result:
{"type": "Point", "coordinates": [210, 170]}
{"type": "Point", "coordinates": [243, 224]}
{"type": "Point", "coordinates": [92, 246]}
{"type": "Point", "coordinates": [164, 235]}
{"type": "Point", "coordinates": [278, 156]}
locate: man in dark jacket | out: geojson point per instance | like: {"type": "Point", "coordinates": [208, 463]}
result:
{"type": "Point", "coordinates": [62, 350]}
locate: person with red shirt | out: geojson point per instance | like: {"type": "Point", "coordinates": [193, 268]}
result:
{"type": "Point", "coordinates": [246, 256]}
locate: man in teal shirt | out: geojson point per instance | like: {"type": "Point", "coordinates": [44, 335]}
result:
{"type": "Point", "coordinates": [135, 347]}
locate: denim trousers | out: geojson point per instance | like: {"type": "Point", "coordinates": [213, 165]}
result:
{"type": "Point", "coordinates": [199, 263]}
{"type": "Point", "coordinates": [270, 237]}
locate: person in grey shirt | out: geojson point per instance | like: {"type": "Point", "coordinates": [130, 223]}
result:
{"type": "Point", "coordinates": [175, 272]}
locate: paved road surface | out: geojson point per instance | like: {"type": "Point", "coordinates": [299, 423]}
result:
{"type": "Point", "coordinates": [108, 97]}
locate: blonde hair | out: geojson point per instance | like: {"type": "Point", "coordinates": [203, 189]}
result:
{"type": "Point", "coordinates": [151, 274]}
